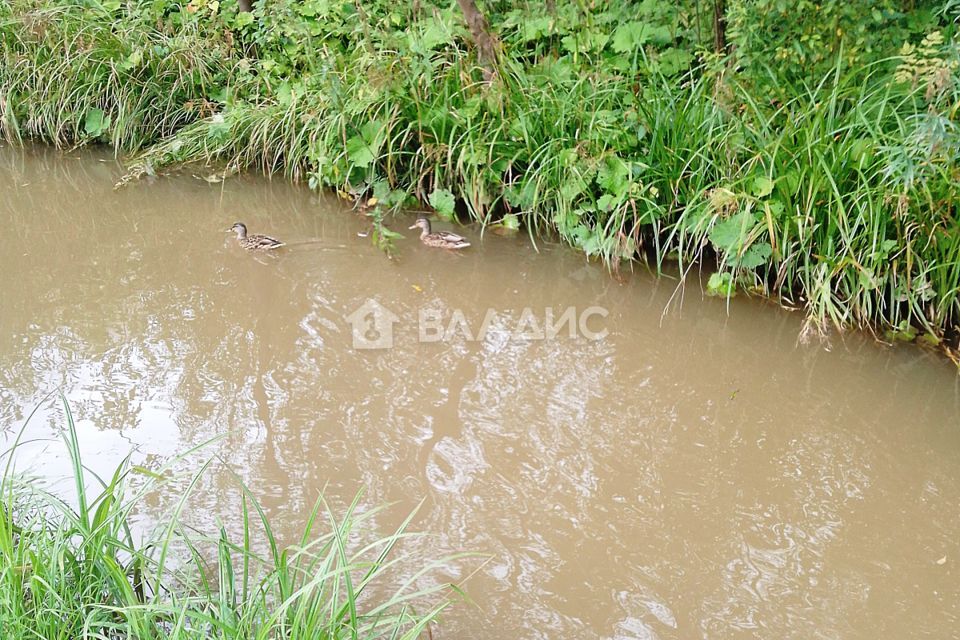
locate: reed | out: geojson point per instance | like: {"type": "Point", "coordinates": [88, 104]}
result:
{"type": "Point", "coordinates": [75, 569]}
{"type": "Point", "coordinates": [840, 198]}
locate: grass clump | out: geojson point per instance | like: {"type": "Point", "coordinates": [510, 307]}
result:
{"type": "Point", "coordinates": [611, 125]}
{"type": "Point", "coordinates": [75, 569]}
{"type": "Point", "coordinates": [70, 75]}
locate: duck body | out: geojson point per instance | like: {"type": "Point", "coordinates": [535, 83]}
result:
{"type": "Point", "coordinates": [439, 239]}
{"type": "Point", "coordinates": [254, 241]}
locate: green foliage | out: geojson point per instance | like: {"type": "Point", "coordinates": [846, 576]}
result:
{"type": "Point", "coordinates": [779, 43]}
{"type": "Point", "coordinates": [721, 284]}
{"type": "Point", "coordinates": [96, 123]}
{"type": "Point", "coordinates": [443, 203]}
{"type": "Point", "coordinates": [364, 147]}
{"type": "Point", "coordinates": [70, 74]}
{"type": "Point", "coordinates": [809, 176]}
{"type": "Point", "coordinates": [648, 36]}
{"type": "Point", "coordinates": [79, 571]}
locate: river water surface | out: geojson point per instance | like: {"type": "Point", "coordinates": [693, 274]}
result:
{"type": "Point", "coordinates": [690, 472]}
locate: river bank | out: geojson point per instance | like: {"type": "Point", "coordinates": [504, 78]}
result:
{"type": "Point", "coordinates": [658, 464]}
{"type": "Point", "coordinates": [836, 194]}
{"type": "Point", "coordinates": [81, 564]}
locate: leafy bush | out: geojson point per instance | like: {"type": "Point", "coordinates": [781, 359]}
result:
{"type": "Point", "coordinates": [807, 175]}
{"type": "Point", "coordinates": [781, 44]}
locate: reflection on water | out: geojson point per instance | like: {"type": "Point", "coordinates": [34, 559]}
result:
{"type": "Point", "coordinates": [699, 475]}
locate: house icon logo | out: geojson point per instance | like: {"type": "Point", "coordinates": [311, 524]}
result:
{"type": "Point", "coordinates": [372, 325]}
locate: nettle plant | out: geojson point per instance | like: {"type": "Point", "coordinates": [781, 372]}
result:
{"type": "Point", "coordinates": [647, 37]}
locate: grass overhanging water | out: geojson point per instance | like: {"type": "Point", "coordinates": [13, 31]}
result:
{"type": "Point", "coordinates": [836, 193]}
{"type": "Point", "coordinates": [76, 568]}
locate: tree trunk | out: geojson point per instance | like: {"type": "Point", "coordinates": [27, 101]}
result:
{"type": "Point", "coordinates": [245, 5]}
{"type": "Point", "coordinates": [480, 30]}
{"type": "Point", "coordinates": [720, 26]}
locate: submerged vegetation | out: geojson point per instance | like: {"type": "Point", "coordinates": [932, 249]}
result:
{"type": "Point", "coordinates": [809, 150]}
{"type": "Point", "coordinates": [76, 568]}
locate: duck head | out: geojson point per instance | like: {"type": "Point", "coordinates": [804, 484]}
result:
{"type": "Point", "coordinates": [422, 224]}
{"type": "Point", "coordinates": [238, 228]}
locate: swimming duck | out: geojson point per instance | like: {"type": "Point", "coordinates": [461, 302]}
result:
{"type": "Point", "coordinates": [440, 239]}
{"type": "Point", "coordinates": [254, 242]}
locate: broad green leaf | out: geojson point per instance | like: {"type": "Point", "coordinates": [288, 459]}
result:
{"type": "Point", "coordinates": [434, 34]}
{"type": "Point", "coordinates": [630, 36]}
{"type": "Point", "coordinates": [569, 43]}
{"type": "Point", "coordinates": [359, 152]}
{"type": "Point", "coordinates": [219, 94]}
{"type": "Point", "coordinates": [606, 202]}
{"type": "Point", "coordinates": [470, 108]}
{"type": "Point", "coordinates": [902, 332]}
{"type": "Point", "coordinates": [597, 40]}
{"type": "Point", "coordinates": [510, 221]}
{"type": "Point", "coordinates": [386, 196]}
{"type": "Point", "coordinates": [776, 208]}
{"type": "Point", "coordinates": [591, 244]}
{"type": "Point", "coordinates": [579, 234]}
{"type": "Point", "coordinates": [569, 157]}
{"type": "Point", "coordinates": [363, 149]}
{"type": "Point", "coordinates": [284, 94]}
{"type": "Point", "coordinates": [443, 201]}
{"type": "Point", "coordinates": [572, 187]}
{"type": "Point", "coordinates": [728, 236]}
{"type": "Point", "coordinates": [372, 131]}
{"type": "Point", "coordinates": [243, 19]}
{"type": "Point", "coordinates": [660, 35]}
{"type": "Point", "coordinates": [133, 60]}
{"type": "Point", "coordinates": [788, 183]}
{"type": "Point", "coordinates": [720, 284]}
{"type": "Point", "coordinates": [219, 128]}
{"type": "Point", "coordinates": [389, 234]}
{"type": "Point", "coordinates": [614, 176]}
{"type": "Point", "coordinates": [535, 28]}
{"type": "Point", "coordinates": [756, 255]}
{"type": "Point", "coordinates": [96, 123]}
{"type": "Point", "coordinates": [762, 186]}
{"type": "Point", "coordinates": [673, 61]}
{"type": "Point", "coordinates": [522, 196]}
{"type": "Point", "coordinates": [861, 151]}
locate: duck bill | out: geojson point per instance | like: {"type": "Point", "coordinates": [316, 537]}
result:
{"type": "Point", "coordinates": [413, 226]}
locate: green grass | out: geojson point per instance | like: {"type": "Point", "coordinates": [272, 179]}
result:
{"type": "Point", "coordinates": [841, 200]}
{"type": "Point", "coordinates": [75, 569]}
{"type": "Point", "coordinates": [70, 77]}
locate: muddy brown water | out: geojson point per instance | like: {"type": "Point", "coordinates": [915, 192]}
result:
{"type": "Point", "coordinates": [690, 472]}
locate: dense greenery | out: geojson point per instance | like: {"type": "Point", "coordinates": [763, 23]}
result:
{"type": "Point", "coordinates": [76, 569]}
{"type": "Point", "coordinates": [809, 149]}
